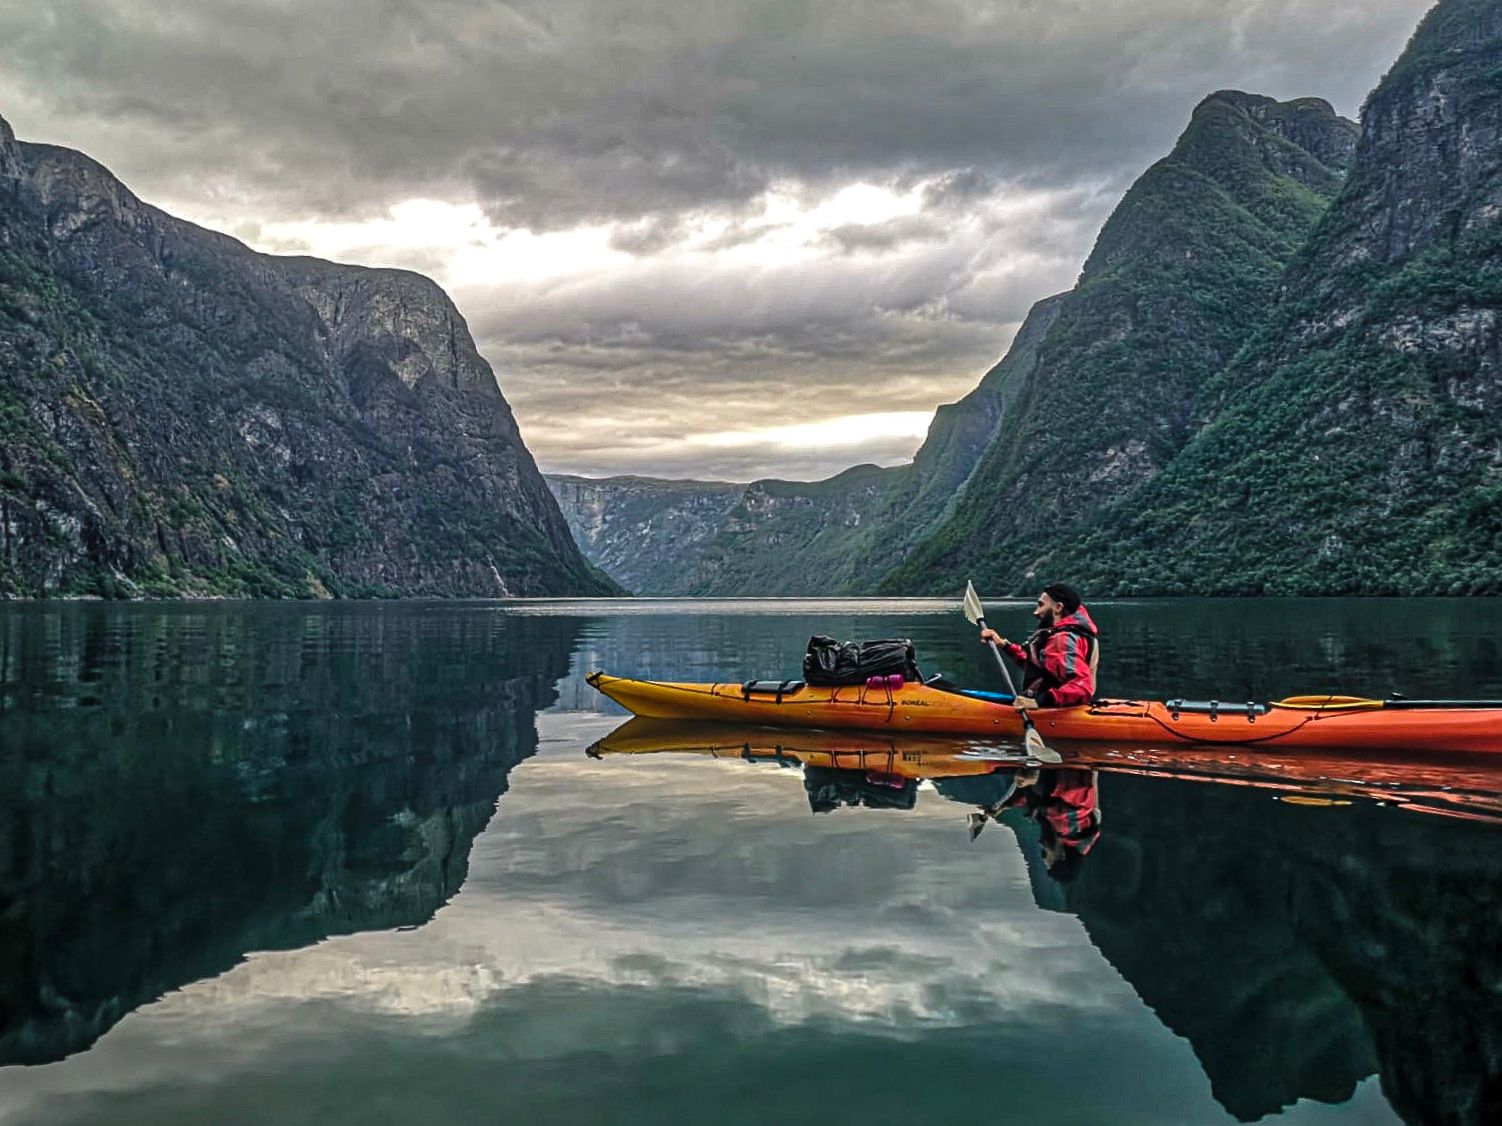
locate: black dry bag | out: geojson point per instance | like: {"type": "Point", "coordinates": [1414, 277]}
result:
{"type": "Point", "coordinates": [835, 664]}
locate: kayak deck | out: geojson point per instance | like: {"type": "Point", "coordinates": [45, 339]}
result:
{"type": "Point", "coordinates": [1327, 721]}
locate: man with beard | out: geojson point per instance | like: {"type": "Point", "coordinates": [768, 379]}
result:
{"type": "Point", "coordinates": [1059, 660]}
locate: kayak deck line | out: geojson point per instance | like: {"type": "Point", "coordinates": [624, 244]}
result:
{"type": "Point", "coordinates": [1307, 721]}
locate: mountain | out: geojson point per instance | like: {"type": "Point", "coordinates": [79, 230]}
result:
{"type": "Point", "coordinates": [1356, 447]}
{"type": "Point", "coordinates": [835, 536]}
{"type": "Point", "coordinates": [647, 534]}
{"type": "Point", "coordinates": [794, 537]}
{"type": "Point", "coordinates": [1182, 272]}
{"type": "Point", "coordinates": [182, 415]}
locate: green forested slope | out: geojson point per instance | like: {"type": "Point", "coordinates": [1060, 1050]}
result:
{"type": "Point", "coordinates": [1356, 445]}
{"type": "Point", "coordinates": [1181, 273]}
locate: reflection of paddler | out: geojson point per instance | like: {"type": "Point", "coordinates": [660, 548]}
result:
{"type": "Point", "coordinates": [1462, 786]}
{"type": "Point", "coordinates": [1065, 805]}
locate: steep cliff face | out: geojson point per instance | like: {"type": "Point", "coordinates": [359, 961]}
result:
{"type": "Point", "coordinates": [179, 414]}
{"type": "Point", "coordinates": [647, 534]}
{"type": "Point", "coordinates": [1181, 273]}
{"type": "Point", "coordinates": [1356, 446]}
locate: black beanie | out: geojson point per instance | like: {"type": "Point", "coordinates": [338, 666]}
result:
{"type": "Point", "coordinates": [1065, 595]}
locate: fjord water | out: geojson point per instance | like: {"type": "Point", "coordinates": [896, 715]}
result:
{"type": "Point", "coordinates": [351, 863]}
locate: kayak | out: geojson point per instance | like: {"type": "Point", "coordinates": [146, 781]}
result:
{"type": "Point", "coordinates": [911, 707]}
{"type": "Point", "coordinates": [1458, 786]}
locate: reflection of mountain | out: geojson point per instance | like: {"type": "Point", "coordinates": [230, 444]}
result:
{"type": "Point", "coordinates": [1300, 945]}
{"type": "Point", "coordinates": [181, 787]}
{"type": "Point", "coordinates": [1300, 950]}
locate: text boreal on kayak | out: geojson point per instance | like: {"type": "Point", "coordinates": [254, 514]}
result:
{"type": "Point", "coordinates": [1300, 721]}
{"type": "Point", "coordinates": [1468, 787]}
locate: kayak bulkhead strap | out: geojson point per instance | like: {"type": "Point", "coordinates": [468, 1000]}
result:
{"type": "Point", "coordinates": [774, 688]}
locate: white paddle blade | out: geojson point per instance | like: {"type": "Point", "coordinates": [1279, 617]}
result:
{"type": "Point", "coordinates": [974, 611]}
{"type": "Point", "coordinates": [1034, 745]}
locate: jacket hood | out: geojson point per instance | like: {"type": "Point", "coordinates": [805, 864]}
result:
{"type": "Point", "coordinates": [1080, 619]}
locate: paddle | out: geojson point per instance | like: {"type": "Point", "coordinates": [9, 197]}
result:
{"type": "Point", "coordinates": [976, 614]}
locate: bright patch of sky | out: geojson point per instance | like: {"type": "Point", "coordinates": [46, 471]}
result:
{"type": "Point", "coordinates": [851, 430]}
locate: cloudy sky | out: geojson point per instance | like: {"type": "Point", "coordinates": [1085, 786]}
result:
{"type": "Point", "coordinates": [713, 239]}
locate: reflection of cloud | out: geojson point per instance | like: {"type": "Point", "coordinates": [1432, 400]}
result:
{"type": "Point", "coordinates": [740, 211]}
{"type": "Point", "coordinates": [648, 921]}
{"type": "Point", "coordinates": [619, 874]}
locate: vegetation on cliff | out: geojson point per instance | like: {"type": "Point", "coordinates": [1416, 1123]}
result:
{"type": "Point", "coordinates": [1355, 446]}
{"type": "Point", "coordinates": [181, 415]}
{"type": "Point", "coordinates": [1180, 275]}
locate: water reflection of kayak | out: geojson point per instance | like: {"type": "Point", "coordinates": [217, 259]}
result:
{"type": "Point", "coordinates": [1467, 786]}
{"type": "Point", "coordinates": [907, 756]}
{"type": "Point", "coordinates": [1301, 721]}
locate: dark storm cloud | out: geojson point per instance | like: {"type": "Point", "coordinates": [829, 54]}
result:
{"type": "Point", "coordinates": [556, 112]}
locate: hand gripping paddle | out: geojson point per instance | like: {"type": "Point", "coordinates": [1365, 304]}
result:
{"type": "Point", "coordinates": [1031, 740]}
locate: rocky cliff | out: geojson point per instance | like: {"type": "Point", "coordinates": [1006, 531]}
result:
{"type": "Point", "coordinates": [1356, 446]}
{"type": "Point", "coordinates": [1180, 275]}
{"type": "Point", "coordinates": [647, 534]}
{"type": "Point", "coordinates": [181, 415]}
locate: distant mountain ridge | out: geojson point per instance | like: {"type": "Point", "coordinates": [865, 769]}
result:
{"type": "Point", "coordinates": [646, 533]}
{"type": "Point", "coordinates": [182, 415]}
{"type": "Point", "coordinates": [770, 537]}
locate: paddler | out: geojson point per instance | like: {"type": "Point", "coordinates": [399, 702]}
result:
{"type": "Point", "coordinates": [1060, 658]}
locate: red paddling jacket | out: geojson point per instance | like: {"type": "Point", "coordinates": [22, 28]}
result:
{"type": "Point", "coordinates": [1058, 663]}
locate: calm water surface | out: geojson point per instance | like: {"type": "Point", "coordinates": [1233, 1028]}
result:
{"type": "Point", "coordinates": [352, 864]}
